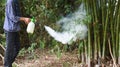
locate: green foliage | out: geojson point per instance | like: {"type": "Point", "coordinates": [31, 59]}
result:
{"type": "Point", "coordinates": [2, 39]}
{"type": "Point", "coordinates": [80, 47]}
{"type": "Point", "coordinates": [32, 48]}
{"type": "Point", "coordinates": [42, 44]}
{"type": "Point", "coordinates": [57, 51]}
{"type": "Point", "coordinates": [66, 64]}
{"type": "Point", "coordinates": [22, 52]}
{"type": "Point", "coordinates": [2, 10]}
{"type": "Point", "coordinates": [55, 48]}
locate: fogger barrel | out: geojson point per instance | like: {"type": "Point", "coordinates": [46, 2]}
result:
{"type": "Point", "coordinates": [31, 26]}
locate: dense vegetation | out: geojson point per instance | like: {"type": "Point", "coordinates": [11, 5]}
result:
{"type": "Point", "coordinates": [103, 38]}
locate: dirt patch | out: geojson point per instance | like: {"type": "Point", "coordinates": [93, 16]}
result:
{"type": "Point", "coordinates": [46, 59]}
{"type": "Point", "coordinates": [1, 62]}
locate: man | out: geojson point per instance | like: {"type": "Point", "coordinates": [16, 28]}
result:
{"type": "Point", "coordinates": [11, 27]}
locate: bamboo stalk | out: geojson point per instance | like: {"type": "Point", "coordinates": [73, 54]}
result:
{"type": "Point", "coordinates": [119, 50]}
{"type": "Point", "coordinates": [88, 49]}
{"type": "Point", "coordinates": [114, 61]}
{"type": "Point", "coordinates": [103, 12]}
{"type": "Point", "coordinates": [119, 37]}
{"type": "Point", "coordinates": [80, 51]}
{"type": "Point", "coordinates": [117, 29]}
{"type": "Point", "coordinates": [103, 19]}
{"type": "Point", "coordinates": [108, 20]}
{"type": "Point", "coordinates": [112, 29]}
{"type": "Point", "coordinates": [85, 50]}
{"type": "Point", "coordinates": [95, 30]}
{"type": "Point", "coordinates": [89, 46]}
{"type": "Point", "coordinates": [99, 50]}
{"type": "Point", "coordinates": [104, 33]}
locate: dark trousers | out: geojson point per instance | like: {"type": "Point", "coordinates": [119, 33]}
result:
{"type": "Point", "coordinates": [12, 48]}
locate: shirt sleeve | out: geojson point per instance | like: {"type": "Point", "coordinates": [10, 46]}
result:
{"type": "Point", "coordinates": [10, 13]}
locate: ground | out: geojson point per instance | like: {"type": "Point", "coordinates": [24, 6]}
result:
{"type": "Point", "coordinates": [45, 58]}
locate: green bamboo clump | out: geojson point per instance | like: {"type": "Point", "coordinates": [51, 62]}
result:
{"type": "Point", "coordinates": [104, 30]}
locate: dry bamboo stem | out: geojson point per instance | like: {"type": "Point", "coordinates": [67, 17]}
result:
{"type": "Point", "coordinates": [114, 62]}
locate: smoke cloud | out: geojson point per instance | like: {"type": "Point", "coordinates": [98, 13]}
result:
{"type": "Point", "coordinates": [73, 27]}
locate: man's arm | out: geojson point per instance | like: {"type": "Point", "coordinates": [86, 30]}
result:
{"type": "Point", "coordinates": [26, 20]}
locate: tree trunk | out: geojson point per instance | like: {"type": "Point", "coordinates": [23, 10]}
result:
{"type": "Point", "coordinates": [1, 60]}
{"type": "Point", "coordinates": [2, 50]}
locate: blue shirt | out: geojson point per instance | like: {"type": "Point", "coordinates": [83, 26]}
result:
{"type": "Point", "coordinates": [12, 16]}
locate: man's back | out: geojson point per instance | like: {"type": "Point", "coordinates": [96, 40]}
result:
{"type": "Point", "coordinates": [12, 16]}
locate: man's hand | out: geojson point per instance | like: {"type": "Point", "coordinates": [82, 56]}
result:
{"type": "Point", "coordinates": [26, 20]}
